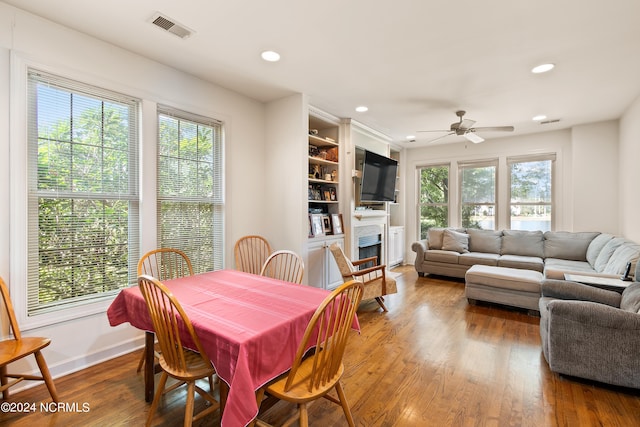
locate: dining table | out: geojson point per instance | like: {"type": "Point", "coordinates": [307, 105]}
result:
{"type": "Point", "coordinates": [250, 326]}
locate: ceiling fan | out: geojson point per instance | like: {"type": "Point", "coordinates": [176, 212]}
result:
{"type": "Point", "coordinates": [465, 128]}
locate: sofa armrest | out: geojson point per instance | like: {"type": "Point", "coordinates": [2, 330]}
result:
{"type": "Point", "coordinates": [566, 290]}
{"type": "Point", "coordinates": [594, 315]}
{"type": "Point", "coordinates": [420, 247]}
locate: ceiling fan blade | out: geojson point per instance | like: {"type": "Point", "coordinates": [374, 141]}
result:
{"type": "Point", "coordinates": [473, 137]}
{"type": "Point", "coordinates": [495, 129]}
{"type": "Point", "coordinates": [442, 130]}
{"type": "Point", "coordinates": [466, 124]}
{"type": "Point", "coordinates": [440, 137]}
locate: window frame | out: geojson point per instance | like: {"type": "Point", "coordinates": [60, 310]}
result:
{"type": "Point", "coordinates": [19, 193]}
{"type": "Point", "coordinates": [419, 204]}
{"type": "Point", "coordinates": [476, 164]}
{"type": "Point", "coordinates": [552, 157]}
{"type": "Point", "coordinates": [216, 199]}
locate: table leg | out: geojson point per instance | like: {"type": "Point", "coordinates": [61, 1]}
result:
{"type": "Point", "coordinates": [149, 365]}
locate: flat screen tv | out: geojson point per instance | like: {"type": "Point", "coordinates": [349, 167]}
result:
{"type": "Point", "coordinates": [378, 178]}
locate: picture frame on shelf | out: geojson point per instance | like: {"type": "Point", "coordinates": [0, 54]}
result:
{"type": "Point", "coordinates": [332, 194]}
{"type": "Point", "coordinates": [326, 224]}
{"type": "Point", "coordinates": [336, 223]}
{"type": "Point", "coordinates": [310, 233]}
{"type": "Point", "coordinates": [326, 194]}
{"type": "Point", "coordinates": [317, 225]}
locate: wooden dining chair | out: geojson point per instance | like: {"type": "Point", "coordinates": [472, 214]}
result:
{"type": "Point", "coordinates": [185, 365]}
{"type": "Point", "coordinates": [251, 252]}
{"type": "Point", "coordinates": [18, 347]}
{"type": "Point", "coordinates": [163, 264]}
{"type": "Point", "coordinates": [314, 376]}
{"type": "Point", "coordinates": [284, 265]}
{"type": "Point", "coordinates": [375, 280]}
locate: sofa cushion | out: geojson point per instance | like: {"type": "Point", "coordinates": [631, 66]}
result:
{"type": "Point", "coordinates": [556, 268]}
{"type": "Point", "coordinates": [438, 255]}
{"type": "Point", "coordinates": [631, 298]}
{"type": "Point", "coordinates": [606, 252]}
{"type": "Point", "coordinates": [473, 258]}
{"type": "Point", "coordinates": [524, 243]}
{"type": "Point", "coordinates": [436, 234]}
{"type": "Point", "coordinates": [523, 262]}
{"type": "Point", "coordinates": [596, 246]}
{"type": "Point", "coordinates": [625, 253]}
{"type": "Point", "coordinates": [506, 278]}
{"type": "Point", "coordinates": [455, 241]}
{"type": "Point", "coordinates": [567, 245]}
{"type": "Point", "coordinates": [487, 241]}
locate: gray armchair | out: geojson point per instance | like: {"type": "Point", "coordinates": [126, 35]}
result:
{"type": "Point", "coordinates": [591, 333]}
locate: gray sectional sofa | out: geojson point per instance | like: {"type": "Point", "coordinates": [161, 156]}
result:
{"type": "Point", "coordinates": [453, 251]}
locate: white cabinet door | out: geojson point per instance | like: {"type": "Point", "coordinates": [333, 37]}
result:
{"type": "Point", "coordinates": [334, 278]}
{"type": "Point", "coordinates": [396, 245]}
{"type": "Point", "coordinates": [315, 263]}
{"type": "Point", "coordinates": [321, 268]}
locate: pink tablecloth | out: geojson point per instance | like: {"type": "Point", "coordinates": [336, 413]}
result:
{"type": "Point", "coordinates": [250, 326]}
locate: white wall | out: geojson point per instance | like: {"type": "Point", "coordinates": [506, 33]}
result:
{"type": "Point", "coordinates": [629, 172]}
{"type": "Point", "coordinates": [83, 341]}
{"type": "Point", "coordinates": [595, 179]}
{"type": "Point", "coordinates": [286, 167]}
{"type": "Point", "coordinates": [596, 172]}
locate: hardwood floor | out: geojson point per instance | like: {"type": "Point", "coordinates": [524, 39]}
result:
{"type": "Point", "coordinates": [432, 360]}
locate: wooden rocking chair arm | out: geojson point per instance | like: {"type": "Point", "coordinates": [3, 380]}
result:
{"type": "Point", "coordinates": [367, 270]}
{"type": "Point", "coordinates": [373, 259]}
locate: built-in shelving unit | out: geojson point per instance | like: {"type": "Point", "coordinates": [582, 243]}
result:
{"type": "Point", "coordinates": [326, 225]}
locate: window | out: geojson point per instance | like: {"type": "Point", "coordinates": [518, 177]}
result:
{"type": "Point", "coordinates": [190, 187]}
{"type": "Point", "coordinates": [531, 197]}
{"type": "Point", "coordinates": [478, 194]}
{"type": "Point", "coordinates": [82, 192]}
{"type": "Point", "coordinates": [433, 198]}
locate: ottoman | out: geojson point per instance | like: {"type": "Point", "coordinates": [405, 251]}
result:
{"type": "Point", "coordinates": [503, 285]}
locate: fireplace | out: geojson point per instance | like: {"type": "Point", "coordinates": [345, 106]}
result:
{"type": "Point", "coordinates": [368, 241]}
{"type": "Point", "coordinates": [369, 246]}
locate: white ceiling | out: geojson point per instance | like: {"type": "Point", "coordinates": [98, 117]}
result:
{"type": "Point", "coordinates": [412, 62]}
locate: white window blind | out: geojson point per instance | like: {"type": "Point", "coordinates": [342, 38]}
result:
{"type": "Point", "coordinates": [191, 187]}
{"type": "Point", "coordinates": [82, 192]}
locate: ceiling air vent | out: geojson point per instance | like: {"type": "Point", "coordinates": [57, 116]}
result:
{"type": "Point", "coordinates": [170, 25]}
{"type": "Point", "coordinates": [546, 122]}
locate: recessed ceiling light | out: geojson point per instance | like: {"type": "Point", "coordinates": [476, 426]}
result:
{"type": "Point", "coordinates": [362, 109]}
{"type": "Point", "coordinates": [538, 118]}
{"type": "Point", "coordinates": [270, 56]}
{"type": "Point", "coordinates": [542, 68]}
{"type": "Point", "coordinates": [411, 137]}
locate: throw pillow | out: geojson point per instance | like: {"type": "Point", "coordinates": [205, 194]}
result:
{"type": "Point", "coordinates": [455, 241]}
{"type": "Point", "coordinates": [595, 247]}
{"type": "Point", "coordinates": [434, 235]}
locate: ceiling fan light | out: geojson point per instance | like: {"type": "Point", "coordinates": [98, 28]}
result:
{"type": "Point", "coordinates": [476, 139]}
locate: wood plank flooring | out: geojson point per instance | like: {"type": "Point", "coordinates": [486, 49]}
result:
{"type": "Point", "coordinates": [432, 360]}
